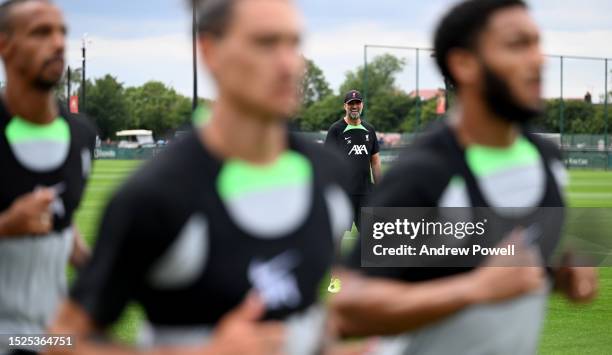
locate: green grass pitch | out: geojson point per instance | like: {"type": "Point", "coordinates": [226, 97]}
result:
{"type": "Point", "coordinates": [569, 329]}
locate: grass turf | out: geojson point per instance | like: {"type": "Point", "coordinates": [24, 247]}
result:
{"type": "Point", "coordinates": [569, 329]}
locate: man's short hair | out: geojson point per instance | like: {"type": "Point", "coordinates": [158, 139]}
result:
{"type": "Point", "coordinates": [5, 14]}
{"type": "Point", "coordinates": [461, 27]}
{"type": "Point", "coordinates": [213, 16]}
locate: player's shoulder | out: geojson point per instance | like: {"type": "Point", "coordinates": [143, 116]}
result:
{"type": "Point", "coordinates": [426, 161]}
{"type": "Point", "coordinates": [81, 124]}
{"type": "Point", "coordinates": [368, 126]}
{"type": "Point", "coordinates": [173, 170]}
{"type": "Point", "coordinates": [326, 160]}
{"type": "Point", "coordinates": [431, 150]}
{"type": "Point", "coordinates": [338, 125]}
{"type": "Point", "coordinates": [421, 163]}
{"type": "Point", "coordinates": [316, 152]}
{"type": "Point", "coordinates": [548, 148]}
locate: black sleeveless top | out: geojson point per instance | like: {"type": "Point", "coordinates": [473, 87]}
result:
{"type": "Point", "coordinates": [190, 235]}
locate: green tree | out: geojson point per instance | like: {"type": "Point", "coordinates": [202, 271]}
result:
{"type": "Point", "coordinates": [579, 117]}
{"type": "Point", "coordinates": [314, 86]}
{"type": "Point", "coordinates": [106, 105]}
{"type": "Point", "coordinates": [320, 115]}
{"type": "Point", "coordinates": [428, 114]}
{"type": "Point", "coordinates": [387, 106]}
{"type": "Point", "coordinates": [380, 76]}
{"type": "Point", "coordinates": [388, 110]}
{"type": "Point", "coordinates": [314, 89]}
{"type": "Point", "coordinates": [156, 107]}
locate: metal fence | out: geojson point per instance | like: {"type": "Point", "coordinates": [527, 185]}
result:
{"type": "Point", "coordinates": [565, 78]}
{"type": "Point", "coordinates": [114, 153]}
{"type": "Point", "coordinates": [579, 151]}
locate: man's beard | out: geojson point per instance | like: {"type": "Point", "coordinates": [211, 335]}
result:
{"type": "Point", "coordinates": [45, 84]}
{"type": "Point", "coordinates": [354, 115]}
{"type": "Point", "coordinates": [500, 100]}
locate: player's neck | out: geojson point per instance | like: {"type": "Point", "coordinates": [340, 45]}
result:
{"type": "Point", "coordinates": [351, 122]}
{"type": "Point", "coordinates": [30, 104]}
{"type": "Point", "coordinates": [233, 133]}
{"type": "Point", "coordinates": [476, 124]}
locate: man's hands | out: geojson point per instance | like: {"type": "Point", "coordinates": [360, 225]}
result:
{"type": "Point", "coordinates": [80, 251]}
{"type": "Point", "coordinates": [242, 332]}
{"type": "Point", "coordinates": [497, 284]}
{"type": "Point", "coordinates": [578, 284]}
{"type": "Point", "coordinates": [28, 215]}
{"type": "Point", "coordinates": [505, 277]}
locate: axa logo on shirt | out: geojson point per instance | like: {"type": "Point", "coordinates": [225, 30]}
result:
{"type": "Point", "coordinates": [275, 282]}
{"type": "Point", "coordinates": [359, 150]}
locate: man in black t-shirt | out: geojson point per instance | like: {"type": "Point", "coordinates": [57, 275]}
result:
{"type": "Point", "coordinates": [356, 140]}
{"type": "Point", "coordinates": [237, 209]}
{"type": "Point", "coordinates": [45, 161]}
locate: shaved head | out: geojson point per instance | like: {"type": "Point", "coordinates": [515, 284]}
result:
{"type": "Point", "coordinates": [6, 10]}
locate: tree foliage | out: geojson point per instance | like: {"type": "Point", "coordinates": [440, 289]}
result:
{"type": "Point", "coordinates": [314, 86]}
{"type": "Point", "coordinates": [153, 106]}
{"type": "Point", "coordinates": [106, 105]}
{"type": "Point", "coordinates": [159, 108]}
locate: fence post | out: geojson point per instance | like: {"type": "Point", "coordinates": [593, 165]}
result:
{"type": "Point", "coordinates": [606, 98]}
{"type": "Point", "coordinates": [365, 80]}
{"type": "Point", "coordinates": [561, 107]}
{"type": "Point", "coordinates": [418, 95]}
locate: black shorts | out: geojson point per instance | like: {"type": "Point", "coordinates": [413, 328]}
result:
{"type": "Point", "coordinates": [357, 201]}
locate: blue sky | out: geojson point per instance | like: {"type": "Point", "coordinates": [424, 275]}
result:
{"type": "Point", "coordinates": [140, 40]}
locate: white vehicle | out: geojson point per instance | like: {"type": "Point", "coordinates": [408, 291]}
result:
{"type": "Point", "coordinates": [135, 138]}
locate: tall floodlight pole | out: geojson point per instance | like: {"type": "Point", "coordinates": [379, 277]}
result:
{"type": "Point", "coordinates": [194, 33]}
{"type": "Point", "coordinates": [84, 77]}
{"type": "Point", "coordinates": [606, 132]}
{"type": "Point", "coordinates": [68, 88]}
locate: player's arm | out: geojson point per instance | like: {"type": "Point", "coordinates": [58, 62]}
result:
{"type": "Point", "coordinates": [239, 332]}
{"type": "Point", "coordinates": [80, 251]}
{"type": "Point", "coordinates": [28, 215]}
{"type": "Point", "coordinates": [375, 159]}
{"type": "Point", "coordinates": [376, 167]}
{"type": "Point", "coordinates": [376, 306]}
{"type": "Point", "coordinates": [578, 284]}
{"type": "Point", "coordinates": [331, 139]}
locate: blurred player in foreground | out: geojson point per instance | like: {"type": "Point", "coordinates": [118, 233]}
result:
{"type": "Point", "coordinates": [482, 157]}
{"type": "Point", "coordinates": [45, 158]}
{"type": "Point", "coordinates": [237, 209]}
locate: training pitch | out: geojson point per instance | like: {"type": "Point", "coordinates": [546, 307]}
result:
{"type": "Point", "coordinates": [569, 329]}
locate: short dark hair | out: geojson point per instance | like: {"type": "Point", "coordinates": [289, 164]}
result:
{"type": "Point", "coordinates": [462, 26]}
{"type": "Point", "coordinates": [5, 14]}
{"type": "Point", "coordinates": [213, 16]}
